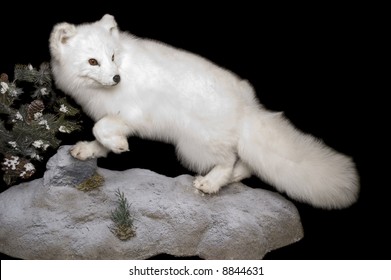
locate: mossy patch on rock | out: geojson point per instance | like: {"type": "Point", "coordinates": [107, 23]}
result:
{"type": "Point", "coordinates": [94, 182]}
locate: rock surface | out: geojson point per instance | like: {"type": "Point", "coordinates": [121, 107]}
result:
{"type": "Point", "coordinates": [49, 218]}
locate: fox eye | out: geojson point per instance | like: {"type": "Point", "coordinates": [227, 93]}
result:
{"type": "Point", "coordinates": [112, 57]}
{"type": "Point", "coordinates": [93, 62]}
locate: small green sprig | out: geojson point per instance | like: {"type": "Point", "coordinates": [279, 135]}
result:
{"type": "Point", "coordinates": [123, 222]}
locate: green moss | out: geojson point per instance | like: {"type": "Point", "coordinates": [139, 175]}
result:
{"type": "Point", "coordinates": [95, 181]}
{"type": "Point", "coordinates": [123, 222]}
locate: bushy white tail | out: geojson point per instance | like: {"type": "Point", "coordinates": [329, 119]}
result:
{"type": "Point", "coordinates": [296, 163]}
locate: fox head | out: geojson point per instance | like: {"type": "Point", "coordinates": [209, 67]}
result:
{"type": "Point", "coordinates": [86, 53]}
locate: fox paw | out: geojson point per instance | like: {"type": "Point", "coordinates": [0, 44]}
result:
{"type": "Point", "coordinates": [116, 144]}
{"type": "Point", "coordinates": [82, 151]}
{"type": "Point", "coordinates": [204, 185]}
{"type": "Point", "coordinates": [119, 145]}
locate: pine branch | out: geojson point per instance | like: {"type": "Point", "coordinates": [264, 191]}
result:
{"type": "Point", "coordinates": [27, 73]}
{"type": "Point", "coordinates": [5, 109]}
{"type": "Point", "coordinates": [26, 134]}
{"type": "Point", "coordinates": [8, 94]}
{"type": "Point", "coordinates": [63, 107]}
{"type": "Point", "coordinates": [35, 123]}
{"type": "Point", "coordinates": [5, 138]}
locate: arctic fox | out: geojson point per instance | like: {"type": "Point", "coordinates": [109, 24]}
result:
{"type": "Point", "coordinates": [133, 86]}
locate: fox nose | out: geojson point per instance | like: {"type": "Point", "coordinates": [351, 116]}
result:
{"type": "Point", "coordinates": [117, 78]}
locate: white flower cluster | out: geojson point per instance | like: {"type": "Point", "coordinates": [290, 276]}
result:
{"type": "Point", "coordinates": [35, 156]}
{"type": "Point", "coordinates": [44, 91]}
{"type": "Point", "coordinates": [39, 144]}
{"type": "Point", "coordinates": [12, 162]}
{"type": "Point", "coordinates": [4, 87]}
{"type": "Point", "coordinates": [16, 164]}
{"type": "Point", "coordinates": [28, 168]}
{"type": "Point", "coordinates": [14, 92]}
{"type": "Point", "coordinates": [64, 129]}
{"type": "Point", "coordinates": [12, 144]}
{"type": "Point", "coordinates": [10, 88]}
{"type": "Point", "coordinates": [18, 116]}
{"type": "Point", "coordinates": [37, 116]}
{"type": "Point", "coordinates": [43, 122]}
{"type": "Point", "coordinates": [64, 109]}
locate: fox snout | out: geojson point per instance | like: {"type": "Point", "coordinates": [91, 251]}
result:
{"type": "Point", "coordinates": [117, 79]}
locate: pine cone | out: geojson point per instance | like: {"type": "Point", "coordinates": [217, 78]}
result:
{"type": "Point", "coordinates": [4, 78]}
{"type": "Point", "coordinates": [34, 107]}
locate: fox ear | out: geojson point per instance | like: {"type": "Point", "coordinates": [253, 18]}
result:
{"type": "Point", "coordinates": [60, 35]}
{"type": "Point", "coordinates": [109, 23]}
{"type": "Point", "coordinates": [62, 32]}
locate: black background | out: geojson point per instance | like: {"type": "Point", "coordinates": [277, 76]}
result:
{"type": "Point", "coordinates": [308, 61]}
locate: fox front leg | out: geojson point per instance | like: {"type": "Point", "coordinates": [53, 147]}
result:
{"type": "Point", "coordinates": [84, 150]}
{"type": "Point", "coordinates": [111, 135]}
{"type": "Point", "coordinates": [112, 132]}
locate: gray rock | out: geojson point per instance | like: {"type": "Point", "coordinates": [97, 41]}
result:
{"type": "Point", "coordinates": [63, 170]}
{"type": "Point", "coordinates": [49, 218]}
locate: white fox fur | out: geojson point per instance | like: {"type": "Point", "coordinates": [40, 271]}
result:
{"type": "Point", "coordinates": [133, 86]}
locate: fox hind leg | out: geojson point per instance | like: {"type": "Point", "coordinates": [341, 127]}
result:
{"type": "Point", "coordinates": [240, 171]}
{"type": "Point", "coordinates": [219, 176]}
